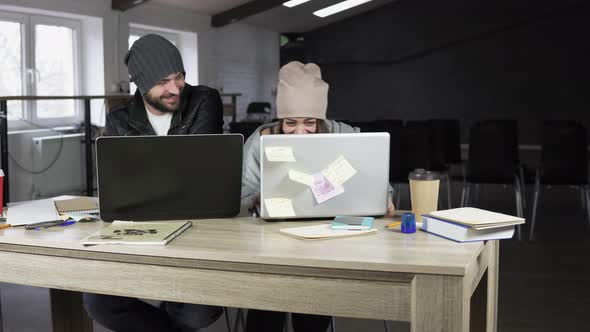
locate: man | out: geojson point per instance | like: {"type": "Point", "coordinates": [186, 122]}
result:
{"type": "Point", "coordinates": [163, 105]}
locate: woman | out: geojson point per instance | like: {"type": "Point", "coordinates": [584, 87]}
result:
{"type": "Point", "coordinates": [302, 102]}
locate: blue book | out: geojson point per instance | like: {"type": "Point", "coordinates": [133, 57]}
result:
{"type": "Point", "coordinates": [463, 233]}
{"type": "Point", "coordinates": [352, 223]}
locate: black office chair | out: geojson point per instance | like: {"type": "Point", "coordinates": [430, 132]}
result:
{"type": "Point", "coordinates": [448, 132]}
{"type": "Point", "coordinates": [244, 128]}
{"type": "Point", "coordinates": [398, 172]}
{"type": "Point", "coordinates": [564, 162]}
{"type": "Point", "coordinates": [493, 159]}
{"type": "Point", "coordinates": [421, 149]}
{"type": "Point", "coordinates": [258, 112]}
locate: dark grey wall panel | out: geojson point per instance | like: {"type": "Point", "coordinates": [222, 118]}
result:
{"type": "Point", "coordinates": [473, 60]}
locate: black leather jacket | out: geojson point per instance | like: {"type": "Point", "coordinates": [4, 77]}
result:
{"type": "Point", "coordinates": [201, 112]}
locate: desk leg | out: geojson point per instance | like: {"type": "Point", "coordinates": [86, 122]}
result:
{"type": "Point", "coordinates": [67, 312]}
{"type": "Point", "coordinates": [493, 276]}
{"type": "Point", "coordinates": [439, 303]}
{"type": "Point", "coordinates": [484, 300]}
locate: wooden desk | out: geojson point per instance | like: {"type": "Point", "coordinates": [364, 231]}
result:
{"type": "Point", "coordinates": [246, 263]}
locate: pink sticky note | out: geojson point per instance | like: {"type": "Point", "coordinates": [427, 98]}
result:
{"type": "Point", "coordinates": [323, 189]}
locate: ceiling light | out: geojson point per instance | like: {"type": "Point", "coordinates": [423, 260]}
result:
{"type": "Point", "coordinates": [293, 3]}
{"type": "Point", "coordinates": [344, 5]}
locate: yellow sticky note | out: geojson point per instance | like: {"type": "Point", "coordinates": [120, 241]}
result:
{"type": "Point", "coordinates": [300, 177]}
{"type": "Point", "coordinates": [339, 171]}
{"type": "Point", "coordinates": [279, 153]}
{"type": "Point", "coordinates": [279, 207]}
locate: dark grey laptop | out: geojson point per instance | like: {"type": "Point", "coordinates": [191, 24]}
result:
{"type": "Point", "coordinates": [144, 178]}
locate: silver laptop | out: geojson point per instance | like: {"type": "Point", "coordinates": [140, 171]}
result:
{"type": "Point", "coordinates": [364, 193]}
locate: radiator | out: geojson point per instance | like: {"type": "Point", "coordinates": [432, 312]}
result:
{"type": "Point", "coordinates": [67, 175]}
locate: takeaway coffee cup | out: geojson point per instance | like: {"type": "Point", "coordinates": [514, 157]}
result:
{"type": "Point", "coordinates": [423, 192]}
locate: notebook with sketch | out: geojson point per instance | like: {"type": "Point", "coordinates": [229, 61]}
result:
{"type": "Point", "coordinates": [143, 178]}
{"type": "Point", "coordinates": [324, 175]}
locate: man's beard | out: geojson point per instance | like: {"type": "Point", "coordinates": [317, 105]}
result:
{"type": "Point", "coordinates": [159, 105]}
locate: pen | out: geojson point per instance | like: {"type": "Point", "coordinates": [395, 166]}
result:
{"type": "Point", "coordinates": [393, 224]}
{"type": "Point", "coordinates": [44, 224]}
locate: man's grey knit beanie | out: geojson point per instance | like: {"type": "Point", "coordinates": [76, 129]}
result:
{"type": "Point", "coordinates": [150, 59]}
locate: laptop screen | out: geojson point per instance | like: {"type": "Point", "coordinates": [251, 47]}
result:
{"type": "Point", "coordinates": [324, 175]}
{"type": "Point", "coordinates": [169, 177]}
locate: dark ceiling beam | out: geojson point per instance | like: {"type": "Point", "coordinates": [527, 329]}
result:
{"type": "Point", "coordinates": [123, 5]}
{"type": "Point", "coordinates": [241, 12]}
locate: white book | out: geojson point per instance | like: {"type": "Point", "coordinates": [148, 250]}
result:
{"type": "Point", "coordinates": [462, 233]}
{"type": "Point", "coordinates": [476, 218]}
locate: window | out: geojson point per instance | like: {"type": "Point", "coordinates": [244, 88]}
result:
{"type": "Point", "coordinates": [136, 32]}
{"type": "Point", "coordinates": [39, 57]}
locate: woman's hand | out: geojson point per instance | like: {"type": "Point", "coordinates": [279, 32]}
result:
{"type": "Point", "coordinates": [390, 209]}
{"type": "Point", "coordinates": [255, 205]}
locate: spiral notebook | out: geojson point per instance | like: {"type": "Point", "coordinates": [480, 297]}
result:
{"type": "Point", "coordinates": [77, 205]}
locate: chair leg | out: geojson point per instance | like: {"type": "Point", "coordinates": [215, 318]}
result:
{"type": "Point", "coordinates": [333, 324]}
{"type": "Point", "coordinates": [519, 209]}
{"type": "Point", "coordinates": [448, 190]}
{"type": "Point", "coordinates": [587, 191]}
{"type": "Point", "coordinates": [463, 192]}
{"type": "Point", "coordinates": [227, 320]}
{"type": "Point", "coordinates": [534, 212]}
{"type": "Point", "coordinates": [242, 320]}
{"type": "Point", "coordinates": [239, 320]}
{"type": "Point", "coordinates": [583, 197]}
{"type": "Point", "coordinates": [287, 322]}
{"type": "Point", "coordinates": [468, 195]}
{"type": "Point", "coordinates": [385, 326]}
{"type": "Point", "coordinates": [522, 187]}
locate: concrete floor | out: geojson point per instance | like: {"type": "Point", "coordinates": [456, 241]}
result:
{"type": "Point", "coordinates": [544, 284]}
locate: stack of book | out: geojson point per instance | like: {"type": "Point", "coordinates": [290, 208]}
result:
{"type": "Point", "coordinates": [470, 224]}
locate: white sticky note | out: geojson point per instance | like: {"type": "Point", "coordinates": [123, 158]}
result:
{"type": "Point", "coordinates": [339, 171]}
{"type": "Point", "coordinates": [279, 154]}
{"type": "Point", "coordinates": [279, 207]}
{"type": "Point", "coordinates": [300, 177]}
{"type": "Point", "coordinates": [323, 189]}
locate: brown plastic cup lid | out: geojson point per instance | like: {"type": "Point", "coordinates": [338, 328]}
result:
{"type": "Point", "coordinates": [421, 174]}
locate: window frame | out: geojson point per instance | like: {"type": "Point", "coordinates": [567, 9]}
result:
{"type": "Point", "coordinates": [22, 19]}
{"type": "Point", "coordinates": [28, 69]}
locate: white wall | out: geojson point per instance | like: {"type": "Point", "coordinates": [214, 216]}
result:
{"type": "Point", "coordinates": [238, 58]}
{"type": "Point", "coordinates": [241, 58]}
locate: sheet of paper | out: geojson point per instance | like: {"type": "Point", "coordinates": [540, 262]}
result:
{"type": "Point", "coordinates": [31, 212]}
{"type": "Point", "coordinates": [279, 154]}
{"type": "Point", "coordinates": [323, 189]}
{"type": "Point", "coordinates": [322, 232]}
{"type": "Point", "coordinates": [301, 177]}
{"type": "Point", "coordinates": [339, 171]}
{"type": "Point", "coordinates": [279, 207]}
